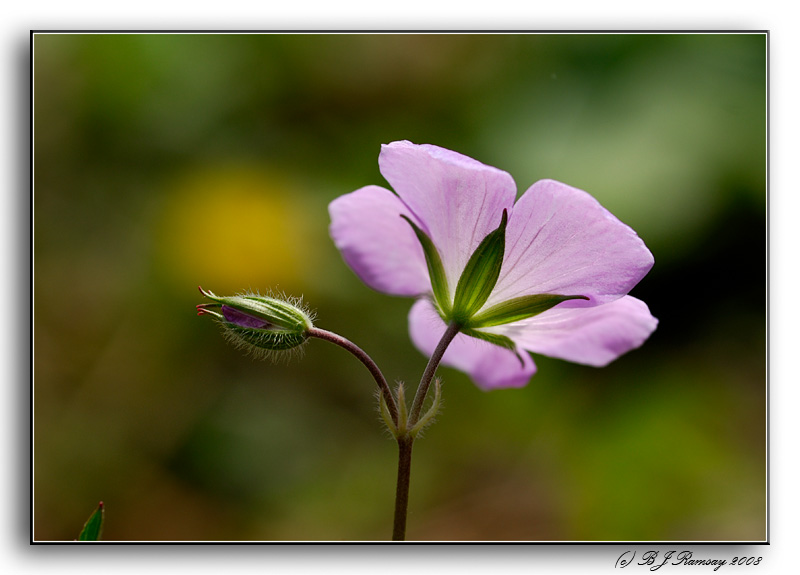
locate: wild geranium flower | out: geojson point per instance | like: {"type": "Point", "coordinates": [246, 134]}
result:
{"type": "Point", "coordinates": [548, 274]}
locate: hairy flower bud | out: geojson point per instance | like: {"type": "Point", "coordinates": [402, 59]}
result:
{"type": "Point", "coordinates": [259, 324]}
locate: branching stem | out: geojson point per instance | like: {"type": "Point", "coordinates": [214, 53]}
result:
{"type": "Point", "coordinates": [405, 441]}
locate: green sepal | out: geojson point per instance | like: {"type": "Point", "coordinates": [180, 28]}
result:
{"type": "Point", "coordinates": [262, 339]}
{"type": "Point", "coordinates": [519, 308]}
{"type": "Point", "coordinates": [441, 293]}
{"type": "Point", "coordinates": [93, 526]}
{"type": "Point", "coordinates": [496, 339]}
{"type": "Point", "coordinates": [480, 274]}
{"type": "Point", "coordinates": [281, 313]}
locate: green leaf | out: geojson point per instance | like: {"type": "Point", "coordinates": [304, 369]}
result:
{"type": "Point", "coordinates": [519, 308]}
{"type": "Point", "coordinates": [480, 274]}
{"type": "Point", "coordinates": [441, 293]}
{"type": "Point", "coordinates": [94, 525]}
{"type": "Point", "coordinates": [429, 416]}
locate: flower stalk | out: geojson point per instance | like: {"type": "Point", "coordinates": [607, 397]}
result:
{"type": "Point", "coordinates": [430, 371]}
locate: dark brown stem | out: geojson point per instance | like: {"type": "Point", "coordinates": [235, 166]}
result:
{"type": "Point", "coordinates": [404, 444]}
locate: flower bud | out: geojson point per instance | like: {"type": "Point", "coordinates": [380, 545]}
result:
{"type": "Point", "coordinates": [259, 324]}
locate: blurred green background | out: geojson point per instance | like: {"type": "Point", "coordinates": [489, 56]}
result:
{"type": "Point", "coordinates": [164, 162]}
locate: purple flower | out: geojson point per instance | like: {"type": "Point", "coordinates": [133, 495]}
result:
{"type": "Point", "coordinates": [563, 265]}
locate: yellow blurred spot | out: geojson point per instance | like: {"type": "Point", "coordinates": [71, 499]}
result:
{"type": "Point", "coordinates": [233, 229]}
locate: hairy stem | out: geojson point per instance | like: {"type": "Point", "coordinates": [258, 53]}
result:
{"type": "Point", "coordinates": [405, 441]}
{"type": "Point", "coordinates": [362, 356]}
{"type": "Point", "coordinates": [404, 444]}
